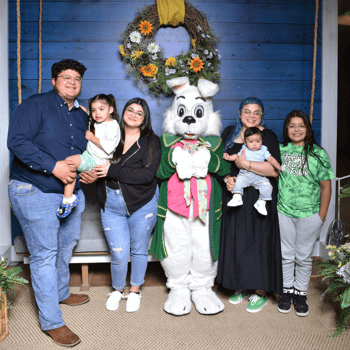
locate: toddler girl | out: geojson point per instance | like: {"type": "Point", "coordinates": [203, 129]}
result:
{"type": "Point", "coordinates": [103, 138]}
{"type": "Point", "coordinates": [254, 151]}
{"type": "Point", "coordinates": [304, 192]}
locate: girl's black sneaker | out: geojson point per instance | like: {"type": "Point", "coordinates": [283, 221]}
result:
{"type": "Point", "coordinates": [300, 303]}
{"type": "Point", "coordinates": [285, 301]}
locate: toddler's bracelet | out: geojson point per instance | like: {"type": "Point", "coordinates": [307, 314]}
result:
{"type": "Point", "coordinates": [250, 165]}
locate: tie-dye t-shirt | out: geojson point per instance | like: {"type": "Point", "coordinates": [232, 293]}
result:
{"type": "Point", "coordinates": [298, 195]}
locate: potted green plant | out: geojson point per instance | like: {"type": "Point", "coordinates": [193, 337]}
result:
{"type": "Point", "coordinates": [8, 278]}
{"type": "Point", "coordinates": [336, 271]}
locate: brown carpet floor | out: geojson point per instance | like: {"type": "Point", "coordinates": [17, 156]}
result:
{"type": "Point", "coordinates": [152, 328]}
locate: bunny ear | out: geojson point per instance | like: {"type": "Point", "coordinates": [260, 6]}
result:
{"type": "Point", "coordinates": [177, 84]}
{"type": "Point", "coordinates": [207, 88]}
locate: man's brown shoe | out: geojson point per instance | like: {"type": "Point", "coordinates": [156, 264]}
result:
{"type": "Point", "coordinates": [63, 336]}
{"type": "Point", "coordinates": [76, 299]}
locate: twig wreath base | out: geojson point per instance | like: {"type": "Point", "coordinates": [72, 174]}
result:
{"type": "Point", "coordinates": [145, 59]}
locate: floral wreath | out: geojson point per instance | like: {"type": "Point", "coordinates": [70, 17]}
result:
{"type": "Point", "coordinates": [145, 59]}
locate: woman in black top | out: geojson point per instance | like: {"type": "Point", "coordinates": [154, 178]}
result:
{"type": "Point", "coordinates": [128, 197]}
{"type": "Point", "coordinates": [250, 248]}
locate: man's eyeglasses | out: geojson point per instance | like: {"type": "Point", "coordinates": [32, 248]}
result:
{"type": "Point", "coordinates": [68, 78]}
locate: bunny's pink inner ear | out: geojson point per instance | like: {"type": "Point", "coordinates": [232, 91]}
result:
{"type": "Point", "coordinates": [178, 87]}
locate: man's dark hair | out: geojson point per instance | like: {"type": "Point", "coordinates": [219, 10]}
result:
{"type": "Point", "coordinates": [58, 67]}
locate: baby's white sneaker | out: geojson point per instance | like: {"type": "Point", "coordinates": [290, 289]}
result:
{"type": "Point", "coordinates": [235, 201]}
{"type": "Point", "coordinates": [260, 206]}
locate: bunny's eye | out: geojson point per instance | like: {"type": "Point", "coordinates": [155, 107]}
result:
{"type": "Point", "coordinates": [181, 111]}
{"type": "Point", "coordinates": [199, 111]}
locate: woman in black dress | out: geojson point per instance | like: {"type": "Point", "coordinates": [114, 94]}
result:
{"type": "Point", "coordinates": [250, 249]}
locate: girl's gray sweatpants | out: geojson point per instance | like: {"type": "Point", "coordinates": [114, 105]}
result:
{"type": "Point", "coordinates": [298, 239]}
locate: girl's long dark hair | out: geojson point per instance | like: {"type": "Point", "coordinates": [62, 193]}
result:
{"type": "Point", "coordinates": [110, 101]}
{"type": "Point", "coordinates": [145, 129]}
{"type": "Point", "coordinates": [309, 140]}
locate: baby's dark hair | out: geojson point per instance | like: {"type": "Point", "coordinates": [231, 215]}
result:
{"type": "Point", "coordinates": [252, 131]}
{"type": "Point", "coordinates": [110, 101]}
{"type": "Point", "coordinates": [58, 67]}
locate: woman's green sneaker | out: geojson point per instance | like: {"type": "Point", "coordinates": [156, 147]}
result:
{"type": "Point", "coordinates": [256, 303]}
{"type": "Point", "coordinates": [239, 296]}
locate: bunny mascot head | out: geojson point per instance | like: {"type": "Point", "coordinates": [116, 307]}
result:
{"type": "Point", "coordinates": [186, 238]}
{"type": "Point", "coordinates": [191, 114]}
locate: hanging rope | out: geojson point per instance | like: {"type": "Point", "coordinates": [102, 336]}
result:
{"type": "Point", "coordinates": [19, 81]}
{"type": "Point", "coordinates": [40, 45]}
{"type": "Point", "coordinates": [314, 64]}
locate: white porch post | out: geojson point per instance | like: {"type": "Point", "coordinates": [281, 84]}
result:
{"type": "Point", "coordinates": [329, 100]}
{"type": "Point", "coordinates": [5, 216]}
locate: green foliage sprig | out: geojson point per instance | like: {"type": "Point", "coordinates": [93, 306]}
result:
{"type": "Point", "coordinates": [336, 271]}
{"type": "Point", "coordinates": [8, 278]}
{"type": "Point", "coordinates": [345, 191]}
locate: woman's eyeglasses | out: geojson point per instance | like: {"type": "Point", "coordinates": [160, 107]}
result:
{"type": "Point", "coordinates": [255, 114]}
{"type": "Point", "coordinates": [137, 114]}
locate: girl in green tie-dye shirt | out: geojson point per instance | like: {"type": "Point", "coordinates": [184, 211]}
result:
{"type": "Point", "coordinates": [304, 192]}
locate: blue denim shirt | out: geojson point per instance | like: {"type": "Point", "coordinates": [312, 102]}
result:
{"type": "Point", "coordinates": [43, 131]}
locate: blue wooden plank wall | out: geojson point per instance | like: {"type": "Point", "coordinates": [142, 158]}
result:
{"type": "Point", "coordinates": [266, 51]}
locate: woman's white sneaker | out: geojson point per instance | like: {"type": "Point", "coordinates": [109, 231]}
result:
{"type": "Point", "coordinates": [133, 301]}
{"type": "Point", "coordinates": [113, 301]}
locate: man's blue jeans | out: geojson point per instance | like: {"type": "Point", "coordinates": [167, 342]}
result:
{"type": "Point", "coordinates": [128, 235]}
{"type": "Point", "coordinates": [50, 242]}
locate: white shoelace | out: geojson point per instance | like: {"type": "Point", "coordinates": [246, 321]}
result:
{"type": "Point", "coordinates": [254, 298]}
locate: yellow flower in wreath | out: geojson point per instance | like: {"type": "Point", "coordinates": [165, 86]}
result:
{"type": "Point", "coordinates": [193, 43]}
{"type": "Point", "coordinates": [196, 64]}
{"type": "Point", "coordinates": [136, 54]}
{"type": "Point", "coordinates": [170, 61]}
{"type": "Point", "coordinates": [149, 71]}
{"type": "Point", "coordinates": [155, 70]}
{"type": "Point", "coordinates": [145, 27]}
{"type": "Point", "coordinates": [121, 50]}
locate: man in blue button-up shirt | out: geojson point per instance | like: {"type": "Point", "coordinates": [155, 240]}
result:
{"type": "Point", "coordinates": [44, 130]}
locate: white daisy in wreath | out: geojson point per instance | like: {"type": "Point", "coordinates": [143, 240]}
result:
{"type": "Point", "coordinates": [135, 37]}
{"type": "Point", "coordinates": [153, 48]}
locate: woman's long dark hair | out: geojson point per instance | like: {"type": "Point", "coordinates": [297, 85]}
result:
{"type": "Point", "coordinates": [309, 140]}
{"type": "Point", "coordinates": [110, 101]}
{"type": "Point", "coordinates": [145, 129]}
